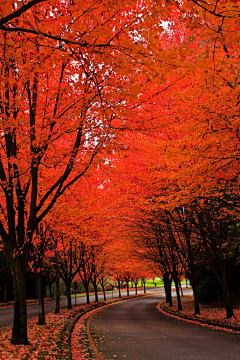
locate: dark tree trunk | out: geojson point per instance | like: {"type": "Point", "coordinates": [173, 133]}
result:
{"type": "Point", "coordinates": [127, 289]}
{"type": "Point", "coordinates": [219, 266]}
{"type": "Point", "coordinates": [87, 294]}
{"type": "Point", "coordinates": [68, 293]}
{"type": "Point", "coordinates": [166, 286]}
{"type": "Point", "coordinates": [178, 295]}
{"type": "Point", "coordinates": [144, 287]}
{"type": "Point", "coordinates": [57, 308]}
{"type": "Point", "coordinates": [119, 288]}
{"type": "Point", "coordinates": [41, 312]}
{"type": "Point", "coordinates": [226, 295]}
{"type": "Point", "coordinates": [222, 278]}
{"type": "Point", "coordinates": [4, 290]}
{"type": "Point", "coordinates": [135, 288]}
{"type": "Point", "coordinates": [95, 291]}
{"type": "Point", "coordinates": [170, 302]}
{"type": "Point", "coordinates": [195, 294]}
{"type": "Point", "coordinates": [104, 293]}
{"type": "Point", "coordinates": [193, 277]}
{"type": "Point", "coordinates": [180, 287]}
{"type": "Point", "coordinates": [36, 288]}
{"type": "Point", "coordinates": [19, 330]}
{"type": "Point", "coordinates": [50, 289]}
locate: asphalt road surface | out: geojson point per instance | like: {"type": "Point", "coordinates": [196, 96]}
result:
{"type": "Point", "coordinates": [136, 330]}
{"type": "Point", "coordinates": [6, 313]}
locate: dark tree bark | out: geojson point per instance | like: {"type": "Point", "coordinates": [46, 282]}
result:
{"type": "Point", "coordinates": [166, 286]}
{"type": "Point", "coordinates": [50, 290]}
{"type": "Point", "coordinates": [211, 232]}
{"type": "Point", "coordinates": [127, 289]}
{"type": "Point", "coordinates": [67, 282]}
{"type": "Point", "coordinates": [144, 286]}
{"type": "Point", "coordinates": [136, 287]}
{"type": "Point", "coordinates": [178, 294]}
{"type": "Point", "coordinates": [57, 308]}
{"type": "Point", "coordinates": [19, 331]}
{"type": "Point", "coordinates": [103, 289]}
{"type": "Point", "coordinates": [41, 311]}
{"type": "Point", "coordinates": [4, 290]}
{"type": "Point", "coordinates": [87, 294]}
{"type": "Point", "coordinates": [195, 293]}
{"type": "Point", "coordinates": [95, 290]}
{"type": "Point", "coordinates": [119, 288]}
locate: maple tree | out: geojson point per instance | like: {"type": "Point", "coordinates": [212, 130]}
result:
{"type": "Point", "coordinates": [5, 270]}
{"type": "Point", "coordinates": [74, 75]}
{"type": "Point", "coordinates": [57, 111]}
{"type": "Point", "coordinates": [39, 247]}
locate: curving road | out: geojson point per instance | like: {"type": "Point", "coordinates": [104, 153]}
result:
{"type": "Point", "coordinates": [136, 330]}
{"type": "Point", "coordinates": [6, 313]}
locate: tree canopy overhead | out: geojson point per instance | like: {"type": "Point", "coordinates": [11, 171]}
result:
{"type": "Point", "coordinates": [76, 75]}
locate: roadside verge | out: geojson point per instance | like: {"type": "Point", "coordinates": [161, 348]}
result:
{"type": "Point", "coordinates": [197, 319]}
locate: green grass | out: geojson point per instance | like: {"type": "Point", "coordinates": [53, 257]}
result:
{"type": "Point", "coordinates": [149, 283]}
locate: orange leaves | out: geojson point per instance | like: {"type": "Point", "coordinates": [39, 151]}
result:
{"type": "Point", "coordinates": [44, 340]}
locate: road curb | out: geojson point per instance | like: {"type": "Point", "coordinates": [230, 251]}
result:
{"type": "Point", "coordinates": [67, 346]}
{"type": "Point", "coordinates": [191, 318]}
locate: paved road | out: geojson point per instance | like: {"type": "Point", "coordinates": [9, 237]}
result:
{"type": "Point", "coordinates": [6, 314]}
{"type": "Point", "coordinates": [136, 330]}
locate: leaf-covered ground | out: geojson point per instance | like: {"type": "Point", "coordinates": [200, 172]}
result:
{"type": "Point", "coordinates": [47, 341]}
{"type": "Point", "coordinates": [213, 312]}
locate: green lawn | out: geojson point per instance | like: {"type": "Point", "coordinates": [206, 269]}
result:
{"type": "Point", "coordinates": [159, 282]}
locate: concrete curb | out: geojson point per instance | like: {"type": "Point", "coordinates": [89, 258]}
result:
{"type": "Point", "coordinates": [66, 348]}
{"type": "Point", "coordinates": [218, 326]}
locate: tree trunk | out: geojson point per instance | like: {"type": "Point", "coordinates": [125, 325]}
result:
{"type": "Point", "coordinates": [57, 308]}
{"type": "Point", "coordinates": [50, 289]}
{"type": "Point", "coordinates": [193, 278]}
{"type": "Point", "coordinates": [144, 287]}
{"type": "Point", "coordinates": [195, 294]}
{"type": "Point", "coordinates": [119, 288]}
{"type": "Point", "coordinates": [19, 330]}
{"type": "Point", "coordinates": [180, 287]}
{"type": "Point", "coordinates": [226, 295]}
{"type": "Point", "coordinates": [4, 290]}
{"type": "Point", "coordinates": [41, 312]}
{"type": "Point", "coordinates": [178, 295]}
{"type": "Point", "coordinates": [166, 286]}
{"type": "Point", "coordinates": [135, 288]}
{"type": "Point", "coordinates": [127, 289]}
{"type": "Point", "coordinates": [68, 293]}
{"type": "Point", "coordinates": [222, 278]}
{"type": "Point", "coordinates": [95, 291]}
{"type": "Point", "coordinates": [104, 293]}
{"type": "Point", "coordinates": [170, 303]}
{"type": "Point", "coordinates": [87, 294]}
